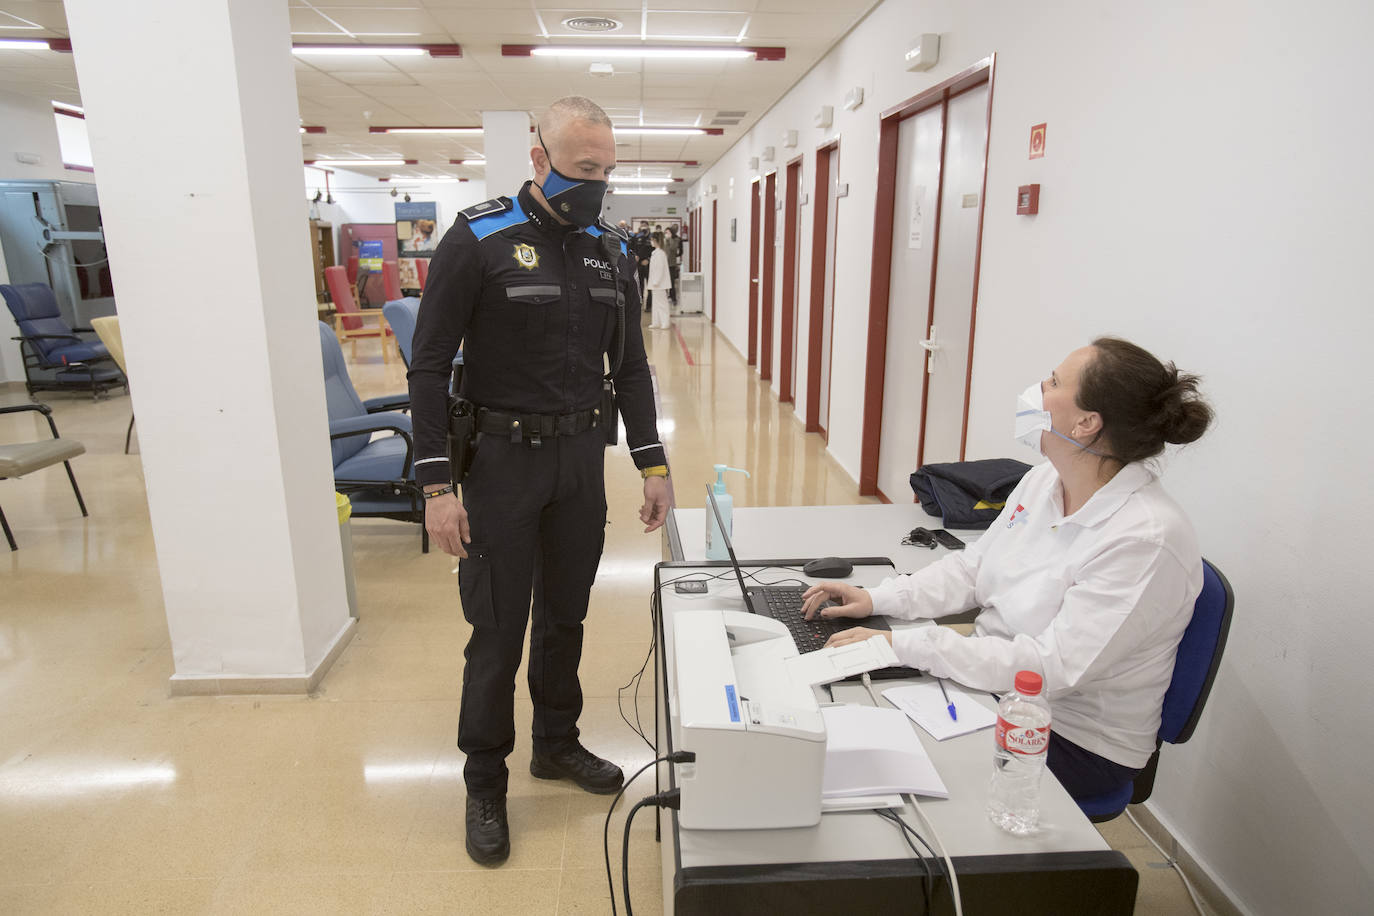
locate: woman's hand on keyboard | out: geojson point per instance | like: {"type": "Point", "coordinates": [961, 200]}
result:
{"type": "Point", "coordinates": [856, 634]}
{"type": "Point", "coordinates": [850, 601]}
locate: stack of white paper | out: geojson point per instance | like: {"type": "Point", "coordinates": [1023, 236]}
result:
{"type": "Point", "coordinates": [926, 705]}
{"type": "Point", "coordinates": [871, 751]}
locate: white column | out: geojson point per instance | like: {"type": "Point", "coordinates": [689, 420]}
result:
{"type": "Point", "coordinates": [506, 142]}
{"type": "Point", "coordinates": [191, 106]}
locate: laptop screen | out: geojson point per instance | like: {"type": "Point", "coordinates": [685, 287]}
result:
{"type": "Point", "coordinates": [729, 548]}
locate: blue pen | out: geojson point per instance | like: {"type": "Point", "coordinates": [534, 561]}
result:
{"type": "Point", "coordinates": [952, 714]}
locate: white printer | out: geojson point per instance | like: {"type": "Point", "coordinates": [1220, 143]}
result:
{"type": "Point", "coordinates": [745, 706]}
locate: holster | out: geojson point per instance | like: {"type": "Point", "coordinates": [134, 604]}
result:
{"type": "Point", "coordinates": [610, 420]}
{"type": "Point", "coordinates": [462, 437]}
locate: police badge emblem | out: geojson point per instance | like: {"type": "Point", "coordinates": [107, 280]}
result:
{"type": "Point", "coordinates": [526, 256]}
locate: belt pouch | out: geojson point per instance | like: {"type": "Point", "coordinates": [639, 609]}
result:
{"type": "Point", "coordinates": [610, 422]}
{"type": "Point", "coordinates": [462, 436]}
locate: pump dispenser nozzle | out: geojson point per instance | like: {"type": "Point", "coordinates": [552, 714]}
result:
{"type": "Point", "coordinates": [720, 476]}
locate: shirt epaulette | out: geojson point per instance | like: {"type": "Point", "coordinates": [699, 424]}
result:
{"type": "Point", "coordinates": [487, 207]}
{"type": "Point", "coordinates": [492, 220]}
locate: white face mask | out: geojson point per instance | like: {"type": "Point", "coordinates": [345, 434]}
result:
{"type": "Point", "coordinates": [1032, 419]}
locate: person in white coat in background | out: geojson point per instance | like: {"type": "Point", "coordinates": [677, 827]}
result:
{"type": "Point", "coordinates": [1088, 577]}
{"type": "Point", "coordinates": [658, 286]}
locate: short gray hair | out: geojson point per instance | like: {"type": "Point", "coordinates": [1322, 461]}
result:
{"type": "Point", "coordinates": [567, 110]}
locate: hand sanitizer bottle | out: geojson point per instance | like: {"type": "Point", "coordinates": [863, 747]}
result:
{"type": "Point", "coordinates": [715, 545]}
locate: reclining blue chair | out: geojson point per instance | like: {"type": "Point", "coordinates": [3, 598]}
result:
{"type": "Point", "coordinates": [1199, 656]}
{"type": "Point", "coordinates": [401, 316]}
{"type": "Point", "coordinates": [55, 358]}
{"type": "Point", "coordinates": [376, 475]}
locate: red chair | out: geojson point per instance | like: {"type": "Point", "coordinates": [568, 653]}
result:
{"type": "Point", "coordinates": [352, 268]}
{"type": "Point", "coordinates": [391, 280]}
{"type": "Point", "coordinates": [422, 271]}
{"type": "Point", "coordinates": [350, 322]}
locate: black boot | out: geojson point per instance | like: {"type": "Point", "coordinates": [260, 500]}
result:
{"type": "Point", "coordinates": [580, 765]}
{"type": "Point", "coordinates": [488, 831]}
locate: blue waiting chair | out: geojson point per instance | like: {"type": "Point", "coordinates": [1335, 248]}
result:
{"type": "Point", "coordinates": [55, 358]}
{"type": "Point", "coordinates": [1195, 668]}
{"type": "Point", "coordinates": [377, 475]}
{"type": "Point", "coordinates": [401, 316]}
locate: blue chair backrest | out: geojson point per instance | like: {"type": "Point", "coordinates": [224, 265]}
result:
{"type": "Point", "coordinates": [35, 312]}
{"type": "Point", "coordinates": [401, 315]}
{"type": "Point", "coordinates": [340, 397]}
{"type": "Point", "coordinates": [1199, 656]}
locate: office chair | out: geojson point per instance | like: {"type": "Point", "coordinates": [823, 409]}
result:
{"type": "Point", "coordinates": [1195, 667]}
{"type": "Point", "coordinates": [55, 358]}
{"type": "Point", "coordinates": [377, 475]}
{"type": "Point", "coordinates": [22, 458]}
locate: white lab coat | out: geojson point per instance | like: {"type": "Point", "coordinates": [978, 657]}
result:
{"type": "Point", "coordinates": [656, 287]}
{"type": "Point", "coordinates": [1095, 603]}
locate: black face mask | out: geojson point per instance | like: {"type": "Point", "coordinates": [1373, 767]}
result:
{"type": "Point", "coordinates": [579, 202]}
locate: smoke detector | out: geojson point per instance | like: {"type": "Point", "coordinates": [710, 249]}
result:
{"type": "Point", "coordinates": [590, 24]}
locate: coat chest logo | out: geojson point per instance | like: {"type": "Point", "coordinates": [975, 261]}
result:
{"type": "Point", "coordinates": [526, 256]}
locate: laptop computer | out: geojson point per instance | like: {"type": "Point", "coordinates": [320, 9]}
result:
{"type": "Point", "coordinates": [783, 603]}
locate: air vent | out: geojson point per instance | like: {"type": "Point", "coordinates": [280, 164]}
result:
{"type": "Point", "coordinates": [591, 24]}
{"type": "Point", "coordinates": [724, 122]}
{"type": "Point", "coordinates": [731, 114]}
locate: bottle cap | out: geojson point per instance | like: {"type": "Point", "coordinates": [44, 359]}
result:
{"type": "Point", "coordinates": [1029, 684]}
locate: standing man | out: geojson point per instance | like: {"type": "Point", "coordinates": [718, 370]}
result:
{"type": "Point", "coordinates": [672, 247]}
{"type": "Point", "coordinates": [536, 289]}
{"type": "Point", "coordinates": [642, 250]}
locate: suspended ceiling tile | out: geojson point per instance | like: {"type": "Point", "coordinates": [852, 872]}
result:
{"type": "Point", "coordinates": [378, 20]}
{"type": "Point", "coordinates": [475, 24]}
{"type": "Point", "coordinates": [716, 26]}
{"type": "Point", "coordinates": [308, 21]}
{"type": "Point", "coordinates": [815, 26]}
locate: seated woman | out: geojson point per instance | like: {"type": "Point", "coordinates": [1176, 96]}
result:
{"type": "Point", "coordinates": [1088, 576]}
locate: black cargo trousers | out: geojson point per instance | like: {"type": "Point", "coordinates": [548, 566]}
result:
{"type": "Point", "coordinates": [538, 522]}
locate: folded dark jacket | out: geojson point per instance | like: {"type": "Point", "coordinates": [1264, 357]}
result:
{"type": "Point", "coordinates": [967, 494]}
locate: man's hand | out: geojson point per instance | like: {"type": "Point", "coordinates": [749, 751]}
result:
{"type": "Point", "coordinates": [654, 512]}
{"type": "Point", "coordinates": [447, 523]}
{"type": "Point", "coordinates": [852, 601]}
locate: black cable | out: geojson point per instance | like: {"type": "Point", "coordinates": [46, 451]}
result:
{"type": "Point", "coordinates": [625, 856]}
{"type": "Point", "coordinates": [675, 757]}
{"type": "Point", "coordinates": [907, 828]}
{"type": "Point", "coordinates": [670, 799]}
{"type": "Point", "coordinates": [920, 856]}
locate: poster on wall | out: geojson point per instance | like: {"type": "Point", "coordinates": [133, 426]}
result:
{"type": "Point", "coordinates": [370, 254]}
{"type": "Point", "coordinates": [416, 237]}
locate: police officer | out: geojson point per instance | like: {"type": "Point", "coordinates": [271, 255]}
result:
{"type": "Point", "coordinates": [532, 287]}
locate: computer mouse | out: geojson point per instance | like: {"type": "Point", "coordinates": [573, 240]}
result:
{"type": "Point", "coordinates": [828, 568]}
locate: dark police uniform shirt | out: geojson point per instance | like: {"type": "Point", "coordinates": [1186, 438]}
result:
{"type": "Point", "coordinates": [532, 303]}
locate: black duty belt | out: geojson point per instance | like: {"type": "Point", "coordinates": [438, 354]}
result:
{"type": "Point", "coordinates": [534, 427]}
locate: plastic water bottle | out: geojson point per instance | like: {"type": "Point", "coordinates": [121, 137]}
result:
{"type": "Point", "coordinates": [1023, 741]}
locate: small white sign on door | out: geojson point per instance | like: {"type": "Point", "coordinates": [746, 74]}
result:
{"type": "Point", "coordinates": [918, 204]}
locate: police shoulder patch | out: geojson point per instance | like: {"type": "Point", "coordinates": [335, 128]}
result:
{"type": "Point", "coordinates": [487, 208]}
{"type": "Point", "coordinates": [614, 230]}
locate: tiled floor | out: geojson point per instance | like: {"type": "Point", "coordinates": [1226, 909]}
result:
{"type": "Point", "coordinates": [115, 798]}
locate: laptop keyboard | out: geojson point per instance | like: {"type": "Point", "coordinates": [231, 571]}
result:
{"type": "Point", "coordinates": [784, 604]}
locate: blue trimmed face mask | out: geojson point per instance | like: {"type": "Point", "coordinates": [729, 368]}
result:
{"type": "Point", "coordinates": [1032, 418]}
{"type": "Point", "coordinates": [579, 202]}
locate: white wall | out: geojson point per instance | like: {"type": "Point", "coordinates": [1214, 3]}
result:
{"type": "Point", "coordinates": [631, 207]}
{"type": "Point", "coordinates": [1205, 192]}
{"type": "Point", "coordinates": [27, 126]}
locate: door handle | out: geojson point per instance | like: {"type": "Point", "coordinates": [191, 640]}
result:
{"type": "Point", "coordinates": [931, 346]}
